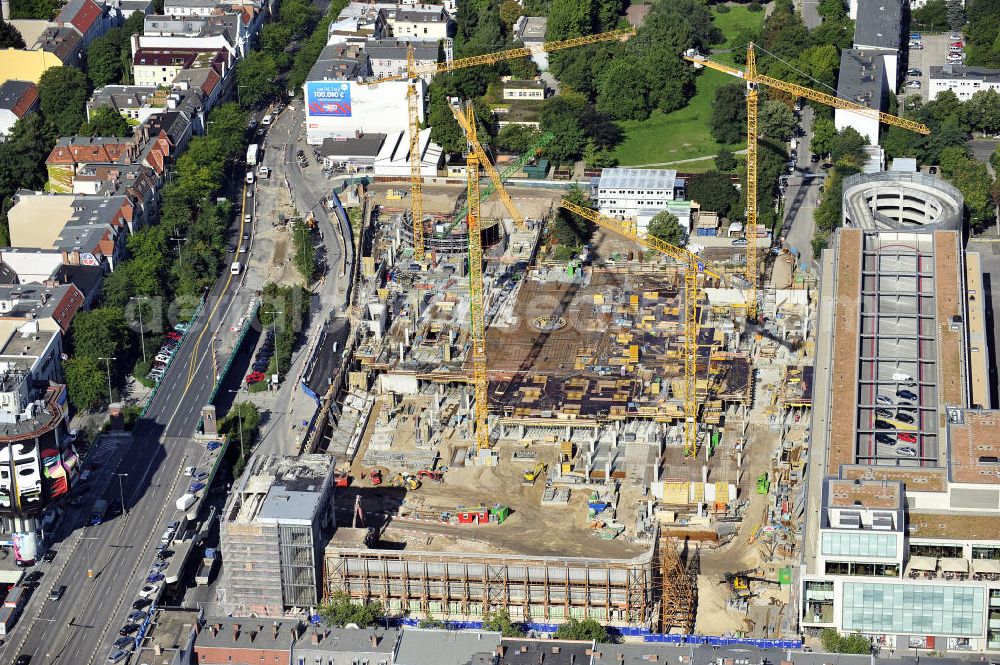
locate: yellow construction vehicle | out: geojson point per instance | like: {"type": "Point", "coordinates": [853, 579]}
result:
{"type": "Point", "coordinates": [409, 481]}
{"type": "Point", "coordinates": [531, 474]}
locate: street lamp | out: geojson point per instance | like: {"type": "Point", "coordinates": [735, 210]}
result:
{"type": "Point", "coordinates": [121, 491]}
{"type": "Point", "coordinates": [142, 331]}
{"type": "Point", "coordinates": [180, 256]}
{"type": "Point", "coordinates": [107, 362]}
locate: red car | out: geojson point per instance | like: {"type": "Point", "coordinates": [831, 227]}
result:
{"type": "Point", "coordinates": [907, 438]}
{"type": "Point", "coordinates": [175, 336]}
{"type": "Point", "coordinates": [255, 377]}
{"type": "Point", "coordinates": [957, 44]}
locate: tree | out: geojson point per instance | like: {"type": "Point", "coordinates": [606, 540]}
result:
{"type": "Point", "coordinates": [44, 10]}
{"type": "Point", "coordinates": [340, 611]}
{"type": "Point", "coordinates": [835, 643]}
{"type": "Point", "coordinates": [85, 381]}
{"type": "Point", "coordinates": [63, 94]}
{"type": "Point", "coordinates": [622, 91]}
{"type": "Point", "coordinates": [832, 10]}
{"type": "Point", "coordinates": [100, 333]}
{"type": "Point", "coordinates": [105, 122]}
{"type": "Point", "coordinates": [932, 16]}
{"type": "Point", "coordinates": [9, 36]}
{"type": "Point", "coordinates": [777, 120]}
{"type": "Point", "coordinates": [729, 115]}
{"type": "Point", "coordinates": [562, 116]}
{"type": "Point", "coordinates": [783, 33]}
{"type": "Point", "coordinates": [824, 136]}
{"type": "Point", "coordinates": [588, 630]}
{"type": "Point", "coordinates": [568, 18]}
{"type": "Point", "coordinates": [499, 620]}
{"type": "Point", "coordinates": [714, 191]}
{"type": "Point", "coordinates": [850, 146]}
{"type": "Point", "coordinates": [598, 158]}
{"type": "Point", "coordinates": [104, 59]}
{"type": "Point", "coordinates": [249, 414]}
{"type": "Point", "coordinates": [510, 11]}
{"type": "Point", "coordinates": [994, 159]}
{"type": "Point", "coordinates": [982, 111]}
{"type": "Point", "coordinates": [666, 227]}
{"type": "Point", "coordinates": [517, 138]}
{"type": "Point", "coordinates": [305, 251]}
{"type": "Point", "coordinates": [569, 229]}
{"type": "Point", "coordinates": [724, 160]}
{"type": "Point", "coordinates": [256, 78]}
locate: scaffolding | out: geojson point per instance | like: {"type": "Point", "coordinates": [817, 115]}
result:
{"type": "Point", "coordinates": [677, 596]}
{"type": "Point", "coordinates": [464, 587]}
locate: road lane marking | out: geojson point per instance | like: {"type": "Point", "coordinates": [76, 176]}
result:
{"type": "Point", "coordinates": [192, 368]}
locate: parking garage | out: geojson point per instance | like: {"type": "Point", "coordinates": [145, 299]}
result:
{"type": "Point", "coordinates": [898, 347]}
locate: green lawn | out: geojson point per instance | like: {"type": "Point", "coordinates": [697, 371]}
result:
{"type": "Point", "coordinates": [684, 133]}
{"type": "Point", "coordinates": [669, 137]}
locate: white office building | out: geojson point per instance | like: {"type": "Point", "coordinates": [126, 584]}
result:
{"type": "Point", "coordinates": [963, 81]}
{"type": "Point", "coordinates": [623, 193]}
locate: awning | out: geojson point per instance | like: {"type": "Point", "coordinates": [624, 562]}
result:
{"type": "Point", "coordinates": [986, 566]}
{"type": "Point", "coordinates": [922, 563]}
{"type": "Point", "coordinates": [955, 565]}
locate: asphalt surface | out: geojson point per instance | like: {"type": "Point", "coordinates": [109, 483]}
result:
{"type": "Point", "coordinates": [79, 628]}
{"type": "Point", "coordinates": [800, 197]}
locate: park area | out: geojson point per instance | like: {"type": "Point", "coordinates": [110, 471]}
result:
{"type": "Point", "coordinates": [664, 139]}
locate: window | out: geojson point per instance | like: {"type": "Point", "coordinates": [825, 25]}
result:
{"type": "Point", "coordinates": [938, 551]}
{"type": "Point", "coordinates": [874, 607]}
{"type": "Point", "coordinates": [882, 545]}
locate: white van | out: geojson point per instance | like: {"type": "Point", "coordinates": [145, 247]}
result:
{"type": "Point", "coordinates": [249, 177]}
{"type": "Point", "coordinates": [267, 120]}
{"type": "Point", "coordinates": [235, 268]}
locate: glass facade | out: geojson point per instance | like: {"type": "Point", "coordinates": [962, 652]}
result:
{"type": "Point", "coordinates": [873, 607]}
{"type": "Point", "coordinates": [882, 545]}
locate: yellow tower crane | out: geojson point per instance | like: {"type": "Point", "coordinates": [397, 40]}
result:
{"type": "Point", "coordinates": [413, 101]}
{"type": "Point", "coordinates": [477, 321]}
{"type": "Point", "coordinates": [753, 80]}
{"type": "Point", "coordinates": [694, 265]}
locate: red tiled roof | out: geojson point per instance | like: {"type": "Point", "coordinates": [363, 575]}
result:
{"type": "Point", "coordinates": [28, 100]}
{"type": "Point", "coordinates": [85, 18]}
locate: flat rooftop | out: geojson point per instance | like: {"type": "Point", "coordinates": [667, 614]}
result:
{"type": "Point", "coordinates": [866, 493]}
{"type": "Point", "coordinates": [974, 447]}
{"type": "Point", "coordinates": [285, 489]}
{"type": "Point", "coordinates": [879, 24]}
{"type": "Point", "coordinates": [898, 349]}
{"type": "Point", "coordinates": [168, 632]}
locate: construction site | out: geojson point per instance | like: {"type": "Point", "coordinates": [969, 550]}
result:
{"type": "Point", "coordinates": [619, 435]}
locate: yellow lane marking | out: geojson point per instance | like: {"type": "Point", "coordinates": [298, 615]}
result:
{"type": "Point", "coordinates": [215, 308]}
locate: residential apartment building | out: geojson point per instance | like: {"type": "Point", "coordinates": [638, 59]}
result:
{"type": "Point", "coordinates": [961, 80]}
{"type": "Point", "coordinates": [519, 89]}
{"type": "Point", "coordinates": [17, 99]}
{"type": "Point", "coordinates": [388, 57]}
{"type": "Point", "coordinates": [158, 66]}
{"type": "Point", "coordinates": [622, 193]}
{"type": "Point", "coordinates": [862, 79]}
{"type": "Point", "coordinates": [274, 527]}
{"type": "Point", "coordinates": [419, 22]}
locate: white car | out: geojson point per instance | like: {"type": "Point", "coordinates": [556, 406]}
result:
{"type": "Point", "coordinates": [162, 358]}
{"type": "Point", "coordinates": [149, 590]}
{"type": "Point", "coordinates": [913, 84]}
{"type": "Point", "coordinates": [189, 471]}
{"type": "Point", "coordinates": [248, 218]}
{"type": "Point", "coordinates": [956, 36]}
{"type": "Point", "coordinates": [906, 451]}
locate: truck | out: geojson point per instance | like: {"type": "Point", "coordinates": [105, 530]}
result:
{"type": "Point", "coordinates": [204, 574]}
{"type": "Point", "coordinates": [97, 514]}
{"type": "Point", "coordinates": [252, 153]}
{"type": "Point", "coordinates": [185, 502]}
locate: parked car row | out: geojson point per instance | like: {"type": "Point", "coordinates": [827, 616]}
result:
{"type": "Point", "coordinates": [171, 341]}
{"type": "Point", "coordinates": [263, 360]}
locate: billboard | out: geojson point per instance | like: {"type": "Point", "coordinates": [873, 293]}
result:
{"type": "Point", "coordinates": [329, 98]}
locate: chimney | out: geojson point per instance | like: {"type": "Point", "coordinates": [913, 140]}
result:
{"type": "Point", "coordinates": [274, 631]}
{"type": "Point", "coordinates": [236, 632]}
{"type": "Point", "coordinates": [294, 633]}
{"type": "Point", "coordinates": [374, 640]}
{"type": "Point", "coordinates": [253, 635]}
{"type": "Point", "coordinates": [315, 637]}
{"type": "Point", "coordinates": [218, 629]}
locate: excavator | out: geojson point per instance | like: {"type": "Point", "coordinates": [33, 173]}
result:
{"type": "Point", "coordinates": [533, 473]}
{"type": "Point", "coordinates": [408, 480]}
{"type": "Point", "coordinates": [740, 581]}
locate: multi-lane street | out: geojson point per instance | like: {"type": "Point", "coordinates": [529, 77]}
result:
{"type": "Point", "coordinates": [80, 627]}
